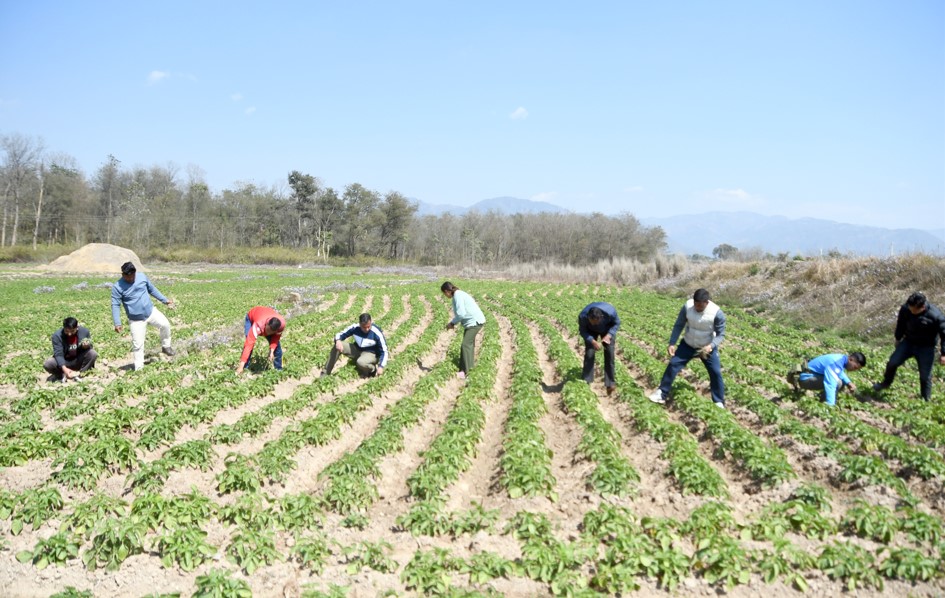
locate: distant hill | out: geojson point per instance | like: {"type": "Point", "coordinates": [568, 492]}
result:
{"type": "Point", "coordinates": [503, 205]}
{"type": "Point", "coordinates": [700, 233]}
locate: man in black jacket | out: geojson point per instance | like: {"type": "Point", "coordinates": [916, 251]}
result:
{"type": "Point", "coordinates": [72, 351]}
{"type": "Point", "coordinates": [918, 324]}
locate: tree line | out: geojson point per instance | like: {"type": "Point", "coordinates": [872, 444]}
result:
{"type": "Point", "coordinates": [46, 199]}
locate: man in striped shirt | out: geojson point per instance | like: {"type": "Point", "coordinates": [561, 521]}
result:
{"type": "Point", "coordinates": [368, 349]}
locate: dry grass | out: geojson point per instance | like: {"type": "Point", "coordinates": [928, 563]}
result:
{"type": "Point", "coordinates": [853, 296]}
{"type": "Point", "coordinates": [857, 297]}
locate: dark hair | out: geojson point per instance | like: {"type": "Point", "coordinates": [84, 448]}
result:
{"type": "Point", "coordinates": [364, 318]}
{"type": "Point", "coordinates": [916, 300]}
{"type": "Point", "coordinates": [595, 313]}
{"type": "Point", "coordinates": [70, 322]}
{"type": "Point", "coordinates": [275, 324]}
{"type": "Point", "coordinates": [448, 286]}
{"type": "Point", "coordinates": [128, 268]}
{"type": "Point", "coordinates": [859, 358]}
{"type": "Point", "coordinates": [701, 295]}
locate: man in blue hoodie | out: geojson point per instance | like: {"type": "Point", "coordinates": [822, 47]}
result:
{"type": "Point", "coordinates": [828, 374]}
{"type": "Point", "coordinates": [134, 291]}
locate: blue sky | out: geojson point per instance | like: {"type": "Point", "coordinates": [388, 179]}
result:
{"type": "Point", "coordinates": [829, 109]}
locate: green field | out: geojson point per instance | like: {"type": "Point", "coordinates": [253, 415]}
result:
{"type": "Point", "coordinates": [182, 479]}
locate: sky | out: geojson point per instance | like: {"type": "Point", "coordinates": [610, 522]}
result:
{"type": "Point", "coordinates": [829, 109]}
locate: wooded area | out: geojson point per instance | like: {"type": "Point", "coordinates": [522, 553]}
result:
{"type": "Point", "coordinates": [47, 199]}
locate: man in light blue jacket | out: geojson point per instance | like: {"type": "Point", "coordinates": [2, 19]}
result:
{"type": "Point", "coordinates": [134, 291]}
{"type": "Point", "coordinates": [828, 374]}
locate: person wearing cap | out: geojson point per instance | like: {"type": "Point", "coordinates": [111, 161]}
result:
{"type": "Point", "coordinates": [268, 323]}
{"type": "Point", "coordinates": [705, 330]}
{"type": "Point", "coordinates": [918, 325]}
{"type": "Point", "coordinates": [599, 321]}
{"type": "Point", "coordinates": [72, 351]}
{"type": "Point", "coordinates": [368, 349]}
{"type": "Point", "coordinates": [828, 374]}
{"type": "Point", "coordinates": [133, 291]}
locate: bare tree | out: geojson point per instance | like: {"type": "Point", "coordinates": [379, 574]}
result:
{"type": "Point", "coordinates": [22, 155]}
{"type": "Point", "coordinates": [39, 202]}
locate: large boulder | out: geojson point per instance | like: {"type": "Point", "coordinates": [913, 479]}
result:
{"type": "Point", "coordinates": [95, 258]}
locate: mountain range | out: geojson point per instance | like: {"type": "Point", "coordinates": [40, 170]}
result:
{"type": "Point", "coordinates": [701, 233]}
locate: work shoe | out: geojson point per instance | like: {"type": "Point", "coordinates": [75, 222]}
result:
{"type": "Point", "coordinates": [169, 351]}
{"type": "Point", "coordinates": [792, 380]}
{"type": "Point", "coordinates": [657, 396]}
{"type": "Point", "coordinates": [610, 390]}
{"type": "Point", "coordinates": [879, 386]}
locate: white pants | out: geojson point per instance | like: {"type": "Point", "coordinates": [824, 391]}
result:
{"type": "Point", "coordinates": [138, 328]}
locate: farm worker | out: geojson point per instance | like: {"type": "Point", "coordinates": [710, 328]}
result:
{"type": "Point", "coordinates": [72, 351]}
{"type": "Point", "coordinates": [368, 349]}
{"type": "Point", "coordinates": [918, 324]}
{"type": "Point", "coordinates": [599, 321]}
{"type": "Point", "coordinates": [266, 322]}
{"type": "Point", "coordinates": [134, 292]}
{"type": "Point", "coordinates": [466, 312]}
{"type": "Point", "coordinates": [828, 374]}
{"type": "Point", "coordinates": [705, 331]}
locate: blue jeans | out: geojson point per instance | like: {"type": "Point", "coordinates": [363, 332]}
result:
{"type": "Point", "coordinates": [276, 356]}
{"type": "Point", "coordinates": [924, 356]}
{"type": "Point", "coordinates": [684, 353]}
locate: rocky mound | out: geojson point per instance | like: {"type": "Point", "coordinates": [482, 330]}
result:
{"type": "Point", "coordinates": [95, 258]}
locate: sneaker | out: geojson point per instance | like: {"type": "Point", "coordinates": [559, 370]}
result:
{"type": "Point", "coordinates": [610, 390]}
{"type": "Point", "coordinates": [169, 351]}
{"type": "Point", "coordinates": [76, 378]}
{"type": "Point", "coordinates": [657, 396]}
{"type": "Point", "coordinates": [879, 386]}
{"type": "Point", "coordinates": [720, 405]}
{"type": "Point", "coordinates": [64, 379]}
{"type": "Point", "coordinates": [461, 375]}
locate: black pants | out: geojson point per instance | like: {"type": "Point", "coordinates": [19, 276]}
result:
{"type": "Point", "coordinates": [590, 353]}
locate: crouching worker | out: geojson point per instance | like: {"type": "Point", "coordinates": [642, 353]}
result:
{"type": "Point", "coordinates": [72, 351]}
{"type": "Point", "coordinates": [369, 349]}
{"type": "Point", "coordinates": [266, 322]}
{"type": "Point", "coordinates": [828, 374]}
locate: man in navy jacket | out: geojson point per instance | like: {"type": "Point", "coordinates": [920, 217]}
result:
{"type": "Point", "coordinates": [599, 321]}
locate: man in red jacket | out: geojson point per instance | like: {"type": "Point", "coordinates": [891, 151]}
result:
{"type": "Point", "coordinates": [267, 322]}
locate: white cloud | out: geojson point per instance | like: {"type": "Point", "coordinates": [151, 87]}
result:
{"type": "Point", "coordinates": [249, 111]}
{"type": "Point", "coordinates": [634, 189]}
{"type": "Point", "coordinates": [236, 97]}
{"type": "Point", "coordinates": [519, 114]}
{"type": "Point", "coordinates": [544, 196]}
{"type": "Point", "coordinates": [156, 77]}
